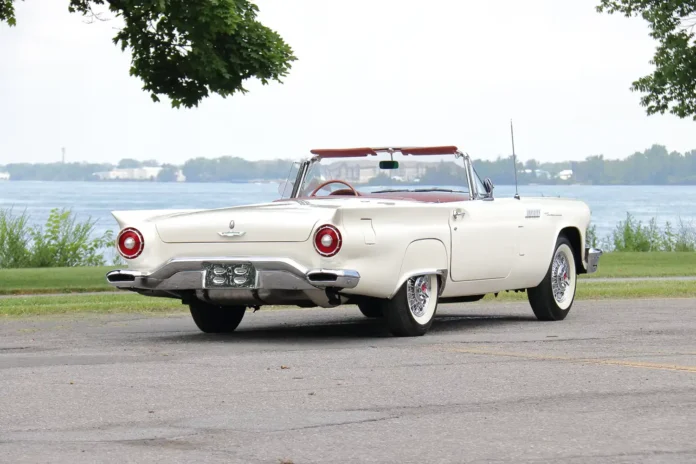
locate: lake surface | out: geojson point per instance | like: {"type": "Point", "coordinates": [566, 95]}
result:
{"type": "Point", "coordinates": [609, 204]}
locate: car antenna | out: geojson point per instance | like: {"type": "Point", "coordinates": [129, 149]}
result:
{"type": "Point", "coordinates": [514, 159]}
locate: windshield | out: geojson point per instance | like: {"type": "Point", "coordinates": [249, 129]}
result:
{"type": "Point", "coordinates": [402, 173]}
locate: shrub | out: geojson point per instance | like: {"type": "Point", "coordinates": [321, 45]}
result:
{"type": "Point", "coordinates": [591, 236]}
{"type": "Point", "coordinates": [14, 240]}
{"type": "Point", "coordinates": [685, 239]}
{"type": "Point", "coordinates": [61, 242]}
{"type": "Point", "coordinates": [632, 235]}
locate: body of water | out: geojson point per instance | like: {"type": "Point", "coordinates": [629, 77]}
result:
{"type": "Point", "coordinates": [609, 204]}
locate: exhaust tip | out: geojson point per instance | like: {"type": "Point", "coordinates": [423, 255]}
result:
{"type": "Point", "coordinates": [117, 276]}
{"type": "Point", "coordinates": [322, 277]}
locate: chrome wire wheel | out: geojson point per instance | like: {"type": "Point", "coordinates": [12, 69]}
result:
{"type": "Point", "coordinates": [563, 277]}
{"type": "Point", "coordinates": [421, 296]}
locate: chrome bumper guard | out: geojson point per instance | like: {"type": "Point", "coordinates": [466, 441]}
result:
{"type": "Point", "coordinates": [592, 256]}
{"type": "Point", "coordinates": [270, 274]}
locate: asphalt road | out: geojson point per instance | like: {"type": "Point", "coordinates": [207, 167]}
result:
{"type": "Point", "coordinates": [614, 382]}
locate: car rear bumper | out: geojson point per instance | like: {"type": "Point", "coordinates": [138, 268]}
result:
{"type": "Point", "coordinates": [181, 274]}
{"type": "Point", "coordinates": [592, 256]}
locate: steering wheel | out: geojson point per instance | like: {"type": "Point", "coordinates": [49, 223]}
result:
{"type": "Point", "coordinates": [352, 189]}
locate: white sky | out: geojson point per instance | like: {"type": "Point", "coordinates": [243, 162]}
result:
{"type": "Point", "coordinates": [370, 72]}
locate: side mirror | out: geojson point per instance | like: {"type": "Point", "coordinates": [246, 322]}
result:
{"type": "Point", "coordinates": [389, 165]}
{"type": "Point", "coordinates": [488, 185]}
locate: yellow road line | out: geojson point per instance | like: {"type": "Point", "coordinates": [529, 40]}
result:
{"type": "Point", "coordinates": [609, 362]}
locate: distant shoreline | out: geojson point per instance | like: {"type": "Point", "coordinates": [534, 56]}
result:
{"type": "Point", "coordinates": [395, 185]}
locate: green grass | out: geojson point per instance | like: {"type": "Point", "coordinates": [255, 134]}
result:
{"type": "Point", "coordinates": [91, 279]}
{"type": "Point", "coordinates": [68, 304]}
{"type": "Point", "coordinates": [588, 290]}
{"type": "Point", "coordinates": [132, 303]}
{"type": "Point", "coordinates": [638, 264]}
{"type": "Point", "coordinates": [54, 280]}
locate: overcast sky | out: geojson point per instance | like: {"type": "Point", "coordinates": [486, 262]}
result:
{"type": "Point", "coordinates": [370, 72]}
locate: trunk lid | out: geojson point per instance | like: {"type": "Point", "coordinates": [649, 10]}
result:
{"type": "Point", "coordinates": [274, 222]}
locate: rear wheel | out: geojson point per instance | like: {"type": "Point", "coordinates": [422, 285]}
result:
{"type": "Point", "coordinates": [371, 308]}
{"type": "Point", "coordinates": [211, 318]}
{"type": "Point", "coordinates": [410, 313]}
{"type": "Point", "coordinates": [552, 299]}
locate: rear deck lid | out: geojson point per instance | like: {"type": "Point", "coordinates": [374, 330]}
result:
{"type": "Point", "coordinates": [264, 223]}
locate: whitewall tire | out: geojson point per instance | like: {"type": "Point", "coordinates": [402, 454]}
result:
{"type": "Point", "coordinates": [411, 311]}
{"type": "Point", "coordinates": [552, 299]}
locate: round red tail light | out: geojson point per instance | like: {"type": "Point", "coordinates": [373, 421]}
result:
{"type": "Point", "coordinates": [130, 243]}
{"type": "Point", "coordinates": [327, 240]}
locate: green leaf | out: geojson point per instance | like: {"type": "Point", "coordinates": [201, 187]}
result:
{"type": "Point", "coordinates": [187, 49]}
{"type": "Point", "coordinates": [672, 85]}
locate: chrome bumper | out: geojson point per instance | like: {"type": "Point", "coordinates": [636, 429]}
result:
{"type": "Point", "coordinates": [592, 256]}
{"type": "Point", "coordinates": [181, 274]}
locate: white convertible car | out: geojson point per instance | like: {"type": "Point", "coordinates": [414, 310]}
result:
{"type": "Point", "coordinates": [422, 230]}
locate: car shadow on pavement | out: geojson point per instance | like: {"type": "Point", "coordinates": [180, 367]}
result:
{"type": "Point", "coordinates": [346, 328]}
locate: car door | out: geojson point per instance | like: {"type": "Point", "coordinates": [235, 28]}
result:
{"type": "Point", "coordinates": [485, 238]}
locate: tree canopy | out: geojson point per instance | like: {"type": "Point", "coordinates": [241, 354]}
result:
{"type": "Point", "coordinates": [187, 49]}
{"type": "Point", "coordinates": [672, 85]}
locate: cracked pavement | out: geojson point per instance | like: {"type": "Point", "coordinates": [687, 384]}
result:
{"type": "Point", "coordinates": [614, 382]}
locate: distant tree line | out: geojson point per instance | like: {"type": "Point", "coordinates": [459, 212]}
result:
{"type": "Point", "coordinates": [655, 166]}
{"type": "Point", "coordinates": [234, 169]}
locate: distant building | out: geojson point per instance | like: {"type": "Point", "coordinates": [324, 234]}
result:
{"type": "Point", "coordinates": [143, 173]}
{"type": "Point", "coordinates": [4, 176]}
{"type": "Point", "coordinates": [362, 172]}
{"type": "Point", "coordinates": [538, 173]}
{"type": "Point", "coordinates": [566, 174]}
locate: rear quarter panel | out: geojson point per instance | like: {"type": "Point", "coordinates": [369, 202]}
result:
{"type": "Point", "coordinates": [383, 243]}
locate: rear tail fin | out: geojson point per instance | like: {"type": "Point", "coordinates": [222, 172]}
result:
{"type": "Point", "coordinates": [126, 218]}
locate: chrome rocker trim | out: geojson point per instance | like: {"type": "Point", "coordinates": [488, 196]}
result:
{"type": "Point", "coordinates": [180, 274]}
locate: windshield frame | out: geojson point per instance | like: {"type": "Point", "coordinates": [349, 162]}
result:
{"type": "Point", "coordinates": [475, 188]}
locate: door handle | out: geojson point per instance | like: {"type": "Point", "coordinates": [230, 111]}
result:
{"type": "Point", "coordinates": [458, 213]}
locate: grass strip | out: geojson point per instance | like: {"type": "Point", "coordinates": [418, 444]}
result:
{"type": "Point", "coordinates": [54, 280]}
{"type": "Point", "coordinates": [91, 279]}
{"type": "Point", "coordinates": [68, 304]}
{"type": "Point", "coordinates": [636, 264]}
{"type": "Point", "coordinates": [132, 303]}
{"type": "Point", "coordinates": [588, 290]}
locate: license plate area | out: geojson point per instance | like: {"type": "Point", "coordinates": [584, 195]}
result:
{"type": "Point", "coordinates": [229, 275]}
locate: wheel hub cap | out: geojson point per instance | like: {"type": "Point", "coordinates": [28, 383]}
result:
{"type": "Point", "coordinates": [418, 294]}
{"type": "Point", "coordinates": [560, 279]}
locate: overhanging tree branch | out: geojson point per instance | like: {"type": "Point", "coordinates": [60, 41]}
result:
{"type": "Point", "coordinates": [672, 85]}
{"type": "Point", "coordinates": [188, 49]}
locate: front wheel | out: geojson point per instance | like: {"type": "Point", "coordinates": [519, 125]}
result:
{"type": "Point", "coordinates": [211, 318]}
{"type": "Point", "coordinates": [552, 299]}
{"type": "Point", "coordinates": [410, 313]}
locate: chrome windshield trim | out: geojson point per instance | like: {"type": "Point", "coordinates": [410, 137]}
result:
{"type": "Point", "coordinates": [301, 176]}
{"type": "Point", "coordinates": [467, 169]}
{"type": "Point", "coordinates": [307, 164]}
